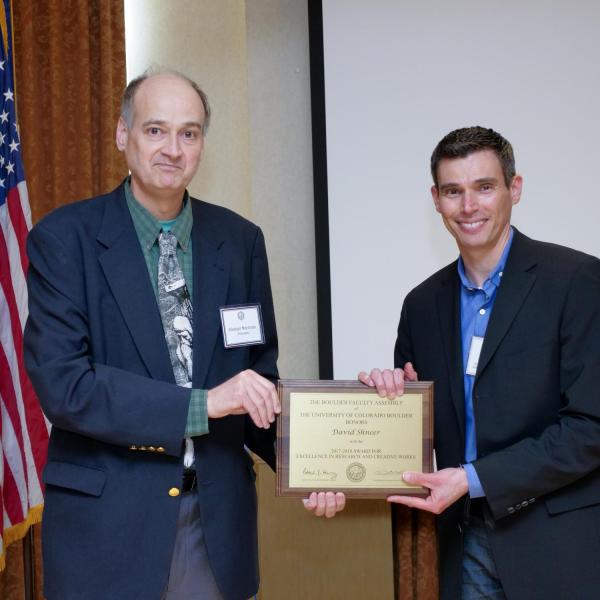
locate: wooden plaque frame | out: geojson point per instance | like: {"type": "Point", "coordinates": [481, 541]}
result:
{"type": "Point", "coordinates": [343, 388]}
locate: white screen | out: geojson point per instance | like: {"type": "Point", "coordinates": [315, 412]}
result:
{"type": "Point", "coordinates": [398, 77]}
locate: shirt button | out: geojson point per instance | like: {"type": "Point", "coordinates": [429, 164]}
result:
{"type": "Point", "coordinates": [482, 311]}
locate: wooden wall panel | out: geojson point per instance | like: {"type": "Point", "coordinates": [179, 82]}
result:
{"type": "Point", "coordinates": [348, 557]}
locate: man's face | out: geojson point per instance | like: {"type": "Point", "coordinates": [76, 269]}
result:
{"type": "Point", "coordinates": [475, 202]}
{"type": "Point", "coordinates": [164, 144]}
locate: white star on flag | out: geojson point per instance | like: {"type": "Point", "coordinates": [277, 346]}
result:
{"type": "Point", "coordinates": [9, 95]}
{"type": "Point", "coordinates": [3, 116]}
{"type": "Point", "coordinates": [10, 168]}
{"type": "Point", "coordinates": [14, 146]}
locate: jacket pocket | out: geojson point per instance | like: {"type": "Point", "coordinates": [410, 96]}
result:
{"type": "Point", "coordinates": [75, 477]}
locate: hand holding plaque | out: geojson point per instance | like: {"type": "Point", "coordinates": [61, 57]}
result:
{"type": "Point", "coordinates": [341, 436]}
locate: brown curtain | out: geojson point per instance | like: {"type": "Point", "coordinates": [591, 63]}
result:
{"type": "Point", "coordinates": [69, 76]}
{"type": "Point", "coordinates": [415, 554]}
{"type": "Point", "coordinates": [21, 557]}
{"type": "Point", "coordinates": [70, 72]}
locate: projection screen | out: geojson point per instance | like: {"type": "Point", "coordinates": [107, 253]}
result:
{"type": "Point", "coordinates": [396, 77]}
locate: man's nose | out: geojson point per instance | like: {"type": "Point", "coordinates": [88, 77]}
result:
{"type": "Point", "coordinates": [172, 146]}
{"type": "Point", "coordinates": [470, 203]}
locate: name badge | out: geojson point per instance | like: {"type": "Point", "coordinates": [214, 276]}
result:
{"type": "Point", "coordinates": [242, 325]}
{"type": "Point", "coordinates": [474, 352]}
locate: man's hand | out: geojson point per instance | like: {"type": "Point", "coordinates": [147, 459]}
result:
{"type": "Point", "coordinates": [389, 383]}
{"type": "Point", "coordinates": [445, 488]}
{"type": "Point", "coordinates": [247, 392]}
{"type": "Point", "coordinates": [325, 503]}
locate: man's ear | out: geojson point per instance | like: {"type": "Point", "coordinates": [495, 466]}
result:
{"type": "Point", "coordinates": [516, 187]}
{"type": "Point", "coordinates": [121, 134]}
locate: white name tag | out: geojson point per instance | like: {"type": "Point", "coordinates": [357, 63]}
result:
{"type": "Point", "coordinates": [474, 352]}
{"type": "Point", "coordinates": [242, 325]}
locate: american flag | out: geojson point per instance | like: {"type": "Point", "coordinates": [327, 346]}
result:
{"type": "Point", "coordinates": [23, 428]}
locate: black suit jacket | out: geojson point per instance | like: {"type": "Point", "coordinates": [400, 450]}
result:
{"type": "Point", "coordinates": [96, 354]}
{"type": "Point", "coordinates": [536, 402]}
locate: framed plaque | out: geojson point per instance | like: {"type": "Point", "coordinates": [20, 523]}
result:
{"type": "Point", "coordinates": [341, 436]}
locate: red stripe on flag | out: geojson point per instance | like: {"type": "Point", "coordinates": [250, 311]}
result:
{"type": "Point", "coordinates": [19, 224]}
{"type": "Point", "coordinates": [12, 500]}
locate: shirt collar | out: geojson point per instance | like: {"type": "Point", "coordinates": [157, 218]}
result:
{"type": "Point", "coordinates": [148, 227]}
{"type": "Point", "coordinates": [495, 276]}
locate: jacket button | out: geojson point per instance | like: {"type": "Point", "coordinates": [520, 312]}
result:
{"type": "Point", "coordinates": [524, 503]}
{"type": "Point", "coordinates": [151, 448]}
{"type": "Point", "coordinates": [133, 447]}
{"type": "Point", "coordinates": [160, 449]}
{"type": "Point", "coordinates": [511, 510]}
{"type": "Point", "coordinates": [142, 448]}
{"type": "Point", "coordinates": [531, 500]}
{"type": "Point", "coordinates": [174, 492]}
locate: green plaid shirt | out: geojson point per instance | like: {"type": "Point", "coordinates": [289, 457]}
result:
{"type": "Point", "coordinates": [148, 229]}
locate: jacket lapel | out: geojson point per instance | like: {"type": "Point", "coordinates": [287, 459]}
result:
{"type": "Point", "coordinates": [211, 281]}
{"type": "Point", "coordinates": [517, 281]}
{"type": "Point", "coordinates": [126, 272]}
{"type": "Point", "coordinates": [448, 310]}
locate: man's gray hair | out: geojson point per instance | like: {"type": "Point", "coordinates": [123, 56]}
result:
{"type": "Point", "coordinates": [134, 84]}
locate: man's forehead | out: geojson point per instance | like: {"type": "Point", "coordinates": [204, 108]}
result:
{"type": "Point", "coordinates": [160, 80]}
{"type": "Point", "coordinates": [166, 91]}
{"type": "Point", "coordinates": [481, 161]}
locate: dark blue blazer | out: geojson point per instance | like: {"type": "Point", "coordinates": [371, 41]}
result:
{"type": "Point", "coordinates": [96, 354]}
{"type": "Point", "coordinates": [536, 401]}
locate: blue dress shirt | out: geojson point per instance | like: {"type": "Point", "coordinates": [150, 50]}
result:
{"type": "Point", "coordinates": [476, 304]}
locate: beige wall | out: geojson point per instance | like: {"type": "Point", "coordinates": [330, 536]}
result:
{"type": "Point", "coordinates": [252, 60]}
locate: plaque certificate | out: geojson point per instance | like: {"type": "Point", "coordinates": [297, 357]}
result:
{"type": "Point", "coordinates": [341, 436]}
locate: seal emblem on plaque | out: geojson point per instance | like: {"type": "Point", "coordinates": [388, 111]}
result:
{"type": "Point", "coordinates": [356, 472]}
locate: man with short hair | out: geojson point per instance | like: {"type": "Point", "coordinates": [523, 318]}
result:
{"type": "Point", "coordinates": [510, 334]}
{"type": "Point", "coordinates": [153, 398]}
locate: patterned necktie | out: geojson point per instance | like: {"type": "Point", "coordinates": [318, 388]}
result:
{"type": "Point", "coordinates": [176, 313]}
{"type": "Point", "coordinates": [175, 309]}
